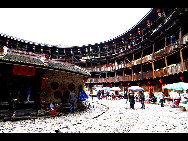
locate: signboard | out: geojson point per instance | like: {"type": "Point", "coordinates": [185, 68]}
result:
{"type": "Point", "coordinates": [24, 70]}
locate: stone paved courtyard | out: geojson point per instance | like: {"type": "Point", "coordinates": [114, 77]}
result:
{"type": "Point", "coordinates": [106, 116]}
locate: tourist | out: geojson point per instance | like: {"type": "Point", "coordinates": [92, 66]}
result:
{"type": "Point", "coordinates": [28, 94]}
{"type": "Point", "coordinates": [142, 98]}
{"type": "Point", "coordinates": [131, 100]}
{"type": "Point", "coordinates": [161, 97]}
{"type": "Point", "coordinates": [126, 97]}
{"type": "Point", "coordinates": [99, 94]}
{"type": "Point", "coordinates": [113, 96]}
{"type": "Point", "coordinates": [107, 95]}
{"type": "Point", "coordinates": [72, 101]}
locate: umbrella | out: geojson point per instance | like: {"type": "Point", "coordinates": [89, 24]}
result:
{"type": "Point", "coordinates": [115, 89]}
{"type": "Point", "coordinates": [176, 86]}
{"type": "Point", "coordinates": [106, 88]}
{"type": "Point", "coordinates": [168, 86]}
{"type": "Point", "coordinates": [135, 88]}
{"type": "Point", "coordinates": [180, 86]}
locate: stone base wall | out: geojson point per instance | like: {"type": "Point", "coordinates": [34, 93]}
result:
{"type": "Point", "coordinates": [57, 85]}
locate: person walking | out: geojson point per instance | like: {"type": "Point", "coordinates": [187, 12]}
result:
{"type": "Point", "coordinates": [131, 100]}
{"type": "Point", "coordinates": [142, 99]}
{"type": "Point", "coordinates": [161, 97]}
{"type": "Point", "coordinates": [72, 101]}
{"type": "Point", "coordinates": [126, 97]}
{"type": "Point", "coordinates": [99, 94]}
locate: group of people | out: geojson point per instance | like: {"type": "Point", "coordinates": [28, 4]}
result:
{"type": "Point", "coordinates": [16, 99]}
{"type": "Point", "coordinates": [131, 98]}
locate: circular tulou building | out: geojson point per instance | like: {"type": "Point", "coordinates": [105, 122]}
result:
{"type": "Point", "coordinates": [150, 54]}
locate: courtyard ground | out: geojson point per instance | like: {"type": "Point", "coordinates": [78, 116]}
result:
{"type": "Point", "coordinates": [107, 116]}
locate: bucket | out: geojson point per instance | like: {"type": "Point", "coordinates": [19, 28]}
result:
{"type": "Point", "coordinates": [183, 108]}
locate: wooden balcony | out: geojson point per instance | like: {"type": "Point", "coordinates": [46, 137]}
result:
{"type": "Point", "coordinates": [172, 69]}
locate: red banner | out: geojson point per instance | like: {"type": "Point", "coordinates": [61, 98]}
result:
{"type": "Point", "coordinates": [24, 70]}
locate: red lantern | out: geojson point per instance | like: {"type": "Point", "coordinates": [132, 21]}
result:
{"type": "Point", "coordinates": [128, 84]}
{"type": "Point", "coordinates": [160, 81]}
{"type": "Point", "coordinates": [149, 82]}
{"type": "Point", "coordinates": [138, 84]}
{"type": "Point", "coordinates": [158, 10]}
{"type": "Point", "coordinates": [131, 36]}
{"type": "Point", "coordinates": [181, 78]}
{"type": "Point", "coordinates": [85, 79]}
{"type": "Point", "coordinates": [111, 85]}
{"type": "Point", "coordinates": [7, 42]}
{"type": "Point", "coordinates": [148, 21]}
{"type": "Point", "coordinates": [138, 30]}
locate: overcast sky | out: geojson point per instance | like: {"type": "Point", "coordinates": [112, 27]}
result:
{"type": "Point", "coordinates": [68, 26]}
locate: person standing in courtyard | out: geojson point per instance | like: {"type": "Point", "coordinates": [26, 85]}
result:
{"type": "Point", "coordinates": [99, 94]}
{"type": "Point", "coordinates": [161, 97]}
{"type": "Point", "coordinates": [131, 100]}
{"type": "Point", "coordinates": [72, 101]}
{"type": "Point", "coordinates": [142, 99]}
{"type": "Point", "coordinates": [126, 96]}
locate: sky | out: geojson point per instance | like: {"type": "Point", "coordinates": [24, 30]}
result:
{"type": "Point", "coordinates": [68, 27]}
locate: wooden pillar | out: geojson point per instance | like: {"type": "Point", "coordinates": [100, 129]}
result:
{"type": "Point", "coordinates": [115, 69]}
{"type": "Point", "coordinates": [153, 62]}
{"type": "Point", "coordinates": [166, 58]}
{"type": "Point", "coordinates": [166, 65]}
{"type": "Point", "coordinates": [181, 56]}
{"type": "Point", "coordinates": [141, 65]}
{"type": "Point", "coordinates": [180, 42]}
{"type": "Point", "coordinates": [132, 68]}
{"type": "Point", "coordinates": [180, 36]}
{"type": "Point", "coordinates": [107, 50]}
{"type": "Point", "coordinates": [99, 51]}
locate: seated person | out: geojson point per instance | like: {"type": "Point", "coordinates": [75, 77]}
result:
{"type": "Point", "coordinates": [153, 99]}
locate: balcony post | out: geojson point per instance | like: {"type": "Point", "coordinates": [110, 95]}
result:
{"type": "Point", "coordinates": [141, 65]}
{"type": "Point", "coordinates": [99, 52]}
{"type": "Point", "coordinates": [132, 68]}
{"type": "Point", "coordinates": [166, 58]}
{"type": "Point", "coordinates": [180, 37]}
{"type": "Point", "coordinates": [181, 56]}
{"type": "Point", "coordinates": [153, 62]}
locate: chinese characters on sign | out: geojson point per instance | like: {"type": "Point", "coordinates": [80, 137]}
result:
{"type": "Point", "coordinates": [24, 70]}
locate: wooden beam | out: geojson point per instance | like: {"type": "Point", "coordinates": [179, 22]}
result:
{"type": "Point", "coordinates": [181, 56]}
{"type": "Point", "coordinates": [166, 65]}
{"type": "Point", "coordinates": [165, 45]}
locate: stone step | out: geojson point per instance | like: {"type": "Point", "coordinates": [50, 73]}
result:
{"type": "Point", "coordinates": [16, 118]}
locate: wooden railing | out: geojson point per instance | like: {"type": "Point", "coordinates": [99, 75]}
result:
{"type": "Point", "coordinates": [145, 59]}
{"type": "Point", "coordinates": [172, 69]}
